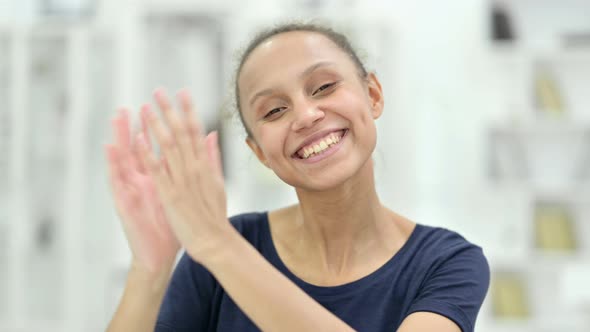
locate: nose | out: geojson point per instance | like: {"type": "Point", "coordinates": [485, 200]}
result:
{"type": "Point", "coordinates": [306, 116]}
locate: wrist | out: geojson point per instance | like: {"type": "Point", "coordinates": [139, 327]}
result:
{"type": "Point", "coordinates": [154, 281]}
{"type": "Point", "coordinates": [222, 249]}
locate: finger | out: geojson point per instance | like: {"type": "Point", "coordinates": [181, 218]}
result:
{"type": "Point", "coordinates": [156, 169]}
{"type": "Point", "coordinates": [144, 126]}
{"type": "Point", "coordinates": [184, 133]}
{"type": "Point", "coordinates": [178, 126]}
{"type": "Point", "coordinates": [125, 196]}
{"type": "Point", "coordinates": [111, 156]}
{"type": "Point", "coordinates": [122, 133]}
{"type": "Point", "coordinates": [214, 154]}
{"type": "Point", "coordinates": [135, 162]}
{"type": "Point", "coordinates": [141, 168]}
{"type": "Point", "coordinates": [115, 162]}
{"type": "Point", "coordinates": [121, 128]}
{"type": "Point", "coordinates": [164, 162]}
{"type": "Point", "coordinates": [168, 147]}
{"type": "Point", "coordinates": [190, 114]}
{"type": "Point", "coordinates": [146, 134]}
{"type": "Point", "coordinates": [115, 176]}
{"type": "Point", "coordinates": [170, 117]}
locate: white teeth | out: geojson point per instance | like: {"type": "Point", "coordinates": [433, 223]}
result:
{"type": "Point", "coordinates": [324, 144]}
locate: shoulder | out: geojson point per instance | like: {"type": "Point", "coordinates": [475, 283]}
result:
{"type": "Point", "coordinates": [447, 262]}
{"type": "Point", "coordinates": [248, 221]}
{"type": "Point", "coordinates": [455, 275]}
{"type": "Point", "coordinates": [253, 226]}
{"type": "Point", "coordinates": [440, 244]}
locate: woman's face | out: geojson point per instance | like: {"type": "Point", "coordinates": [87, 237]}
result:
{"type": "Point", "coordinates": [310, 113]}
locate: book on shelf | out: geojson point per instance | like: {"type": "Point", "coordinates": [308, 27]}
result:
{"type": "Point", "coordinates": [554, 227]}
{"type": "Point", "coordinates": [548, 97]}
{"type": "Point", "coordinates": [509, 296]}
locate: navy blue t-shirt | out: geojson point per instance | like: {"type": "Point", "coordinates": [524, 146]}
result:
{"type": "Point", "coordinates": [436, 270]}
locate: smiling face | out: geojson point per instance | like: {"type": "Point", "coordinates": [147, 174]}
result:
{"type": "Point", "coordinates": [310, 113]}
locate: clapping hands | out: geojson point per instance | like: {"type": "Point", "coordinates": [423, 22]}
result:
{"type": "Point", "coordinates": [174, 199]}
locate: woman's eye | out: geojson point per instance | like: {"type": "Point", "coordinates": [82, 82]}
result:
{"type": "Point", "coordinates": [273, 112]}
{"type": "Point", "coordinates": [322, 88]}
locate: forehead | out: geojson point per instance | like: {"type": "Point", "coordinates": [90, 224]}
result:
{"type": "Point", "coordinates": [288, 54]}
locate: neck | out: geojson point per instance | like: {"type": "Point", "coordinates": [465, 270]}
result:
{"type": "Point", "coordinates": [340, 226]}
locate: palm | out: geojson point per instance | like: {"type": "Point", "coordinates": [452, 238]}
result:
{"type": "Point", "coordinates": [150, 238]}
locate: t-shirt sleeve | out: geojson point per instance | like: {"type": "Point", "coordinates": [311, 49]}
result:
{"type": "Point", "coordinates": [187, 303]}
{"type": "Point", "coordinates": [456, 286]}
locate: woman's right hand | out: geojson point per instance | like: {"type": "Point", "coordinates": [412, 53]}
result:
{"type": "Point", "coordinates": [153, 244]}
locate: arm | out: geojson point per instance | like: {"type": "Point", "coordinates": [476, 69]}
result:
{"type": "Point", "coordinates": [428, 321]}
{"type": "Point", "coordinates": [140, 304]}
{"type": "Point", "coordinates": [266, 296]}
{"type": "Point", "coordinates": [191, 189]}
{"type": "Point", "coordinates": [152, 243]}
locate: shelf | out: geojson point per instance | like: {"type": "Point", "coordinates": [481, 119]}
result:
{"type": "Point", "coordinates": [508, 50]}
{"type": "Point", "coordinates": [552, 154]}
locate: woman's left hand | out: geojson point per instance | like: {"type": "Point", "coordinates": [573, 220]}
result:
{"type": "Point", "coordinates": [188, 176]}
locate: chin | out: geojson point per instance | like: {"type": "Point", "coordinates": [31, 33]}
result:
{"type": "Point", "coordinates": [324, 180]}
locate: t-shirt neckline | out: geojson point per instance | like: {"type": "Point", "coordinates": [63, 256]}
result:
{"type": "Point", "coordinates": [339, 290]}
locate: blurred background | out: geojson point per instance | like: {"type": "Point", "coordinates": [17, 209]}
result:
{"type": "Point", "coordinates": [486, 131]}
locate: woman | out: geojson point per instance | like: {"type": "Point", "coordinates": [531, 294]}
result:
{"type": "Point", "coordinates": [337, 261]}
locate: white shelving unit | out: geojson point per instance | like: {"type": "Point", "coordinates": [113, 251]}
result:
{"type": "Point", "coordinates": [65, 80]}
{"type": "Point", "coordinates": [48, 143]}
{"type": "Point", "coordinates": [547, 155]}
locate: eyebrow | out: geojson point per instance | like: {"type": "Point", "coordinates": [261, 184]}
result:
{"type": "Point", "coordinates": [306, 72]}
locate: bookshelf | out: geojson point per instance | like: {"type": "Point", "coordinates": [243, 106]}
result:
{"type": "Point", "coordinates": [540, 143]}
{"type": "Point", "coordinates": [45, 219]}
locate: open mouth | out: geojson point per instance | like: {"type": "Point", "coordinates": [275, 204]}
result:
{"type": "Point", "coordinates": [320, 146]}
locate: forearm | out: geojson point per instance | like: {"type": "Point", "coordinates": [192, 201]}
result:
{"type": "Point", "coordinates": [140, 303]}
{"type": "Point", "coordinates": [270, 299]}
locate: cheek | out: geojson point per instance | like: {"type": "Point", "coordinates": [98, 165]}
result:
{"type": "Point", "coordinates": [271, 138]}
{"type": "Point", "coordinates": [353, 105]}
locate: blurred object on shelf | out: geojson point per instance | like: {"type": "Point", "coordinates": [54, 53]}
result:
{"type": "Point", "coordinates": [502, 28]}
{"type": "Point", "coordinates": [506, 156]}
{"type": "Point", "coordinates": [509, 296]}
{"type": "Point", "coordinates": [576, 40]}
{"type": "Point", "coordinates": [548, 98]}
{"type": "Point", "coordinates": [45, 233]}
{"type": "Point", "coordinates": [48, 112]}
{"type": "Point", "coordinates": [540, 24]}
{"type": "Point", "coordinates": [49, 109]}
{"type": "Point", "coordinates": [78, 9]}
{"type": "Point", "coordinates": [554, 227]}
{"type": "Point", "coordinates": [545, 153]}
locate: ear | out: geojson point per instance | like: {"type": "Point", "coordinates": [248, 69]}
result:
{"type": "Point", "coordinates": [257, 151]}
{"type": "Point", "coordinates": [375, 95]}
